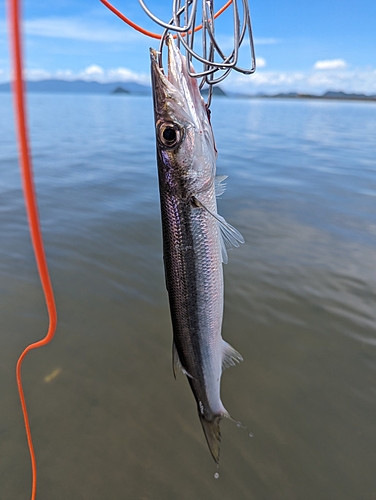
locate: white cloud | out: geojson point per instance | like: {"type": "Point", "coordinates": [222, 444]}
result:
{"type": "Point", "coordinates": [93, 73]}
{"type": "Point", "coordinates": [37, 74]}
{"type": "Point", "coordinates": [64, 74]}
{"type": "Point", "coordinates": [330, 64]}
{"type": "Point", "coordinates": [269, 79]}
{"type": "Point", "coordinates": [260, 62]}
{"type": "Point", "coordinates": [358, 80]}
{"type": "Point", "coordinates": [77, 29]}
{"type": "Point", "coordinates": [125, 74]}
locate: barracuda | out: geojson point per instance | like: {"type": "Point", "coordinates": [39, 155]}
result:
{"type": "Point", "coordinates": [195, 237]}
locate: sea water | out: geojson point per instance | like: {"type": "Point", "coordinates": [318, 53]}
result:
{"type": "Point", "coordinates": [108, 419]}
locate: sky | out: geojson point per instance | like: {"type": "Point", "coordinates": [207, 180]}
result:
{"type": "Point", "coordinates": [301, 46]}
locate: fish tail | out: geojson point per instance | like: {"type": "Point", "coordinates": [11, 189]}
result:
{"type": "Point", "coordinates": [212, 433]}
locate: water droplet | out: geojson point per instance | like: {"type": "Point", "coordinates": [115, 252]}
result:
{"type": "Point", "coordinates": [216, 475]}
{"type": "Point", "coordinates": [239, 424]}
{"type": "Point", "coordinates": [251, 434]}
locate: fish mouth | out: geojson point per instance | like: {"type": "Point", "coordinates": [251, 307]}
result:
{"type": "Point", "coordinates": [157, 75]}
{"type": "Point", "coordinates": [178, 88]}
{"type": "Point", "coordinates": [163, 90]}
{"type": "Point", "coordinates": [166, 86]}
{"type": "Point", "coordinates": [176, 64]}
{"type": "Point", "coordinates": [156, 70]}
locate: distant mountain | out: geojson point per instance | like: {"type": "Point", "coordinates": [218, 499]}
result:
{"type": "Point", "coordinates": [81, 87]}
{"type": "Point", "coordinates": [344, 95]}
{"type": "Point", "coordinates": [120, 90]}
{"type": "Point", "coordinates": [216, 91]}
{"type": "Point", "coordinates": [289, 94]}
{"type": "Point", "coordinates": [327, 95]}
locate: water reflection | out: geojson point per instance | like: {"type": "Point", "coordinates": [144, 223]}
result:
{"type": "Point", "coordinates": [300, 298]}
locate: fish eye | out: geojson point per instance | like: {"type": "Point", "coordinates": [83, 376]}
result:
{"type": "Point", "coordinates": [169, 134]}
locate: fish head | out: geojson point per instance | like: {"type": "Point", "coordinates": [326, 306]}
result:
{"type": "Point", "coordinates": [183, 130]}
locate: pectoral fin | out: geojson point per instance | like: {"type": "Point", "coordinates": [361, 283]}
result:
{"type": "Point", "coordinates": [230, 237]}
{"type": "Point", "coordinates": [219, 185]}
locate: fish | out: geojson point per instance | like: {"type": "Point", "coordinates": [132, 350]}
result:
{"type": "Point", "coordinates": [195, 237]}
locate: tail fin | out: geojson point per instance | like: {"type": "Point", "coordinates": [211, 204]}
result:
{"type": "Point", "coordinates": [213, 434]}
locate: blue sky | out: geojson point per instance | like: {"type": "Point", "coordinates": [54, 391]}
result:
{"type": "Point", "coordinates": [301, 45]}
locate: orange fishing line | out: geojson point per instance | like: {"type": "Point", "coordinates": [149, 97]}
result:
{"type": "Point", "coordinates": [32, 212]}
{"type": "Point", "coordinates": [149, 33]}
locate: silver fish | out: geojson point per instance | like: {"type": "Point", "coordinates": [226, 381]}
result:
{"type": "Point", "coordinates": [195, 237]}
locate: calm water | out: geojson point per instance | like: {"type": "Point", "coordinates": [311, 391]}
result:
{"type": "Point", "coordinates": [300, 307]}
